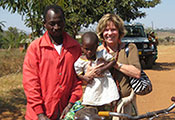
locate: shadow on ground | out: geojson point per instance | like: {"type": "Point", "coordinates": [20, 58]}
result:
{"type": "Point", "coordinates": [12, 107]}
{"type": "Point", "coordinates": [163, 66]}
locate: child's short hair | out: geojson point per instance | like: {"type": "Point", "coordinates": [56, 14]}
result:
{"type": "Point", "coordinates": [91, 35]}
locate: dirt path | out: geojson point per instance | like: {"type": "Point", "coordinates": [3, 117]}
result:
{"type": "Point", "coordinates": [163, 80]}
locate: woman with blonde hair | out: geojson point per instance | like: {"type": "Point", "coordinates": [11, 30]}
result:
{"type": "Point", "coordinates": [111, 30]}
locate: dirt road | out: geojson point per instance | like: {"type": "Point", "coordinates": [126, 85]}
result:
{"type": "Point", "coordinates": [163, 80]}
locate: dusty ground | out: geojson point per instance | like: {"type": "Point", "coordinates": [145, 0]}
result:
{"type": "Point", "coordinates": [163, 80]}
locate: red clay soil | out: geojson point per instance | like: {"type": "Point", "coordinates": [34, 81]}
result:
{"type": "Point", "coordinates": [162, 76]}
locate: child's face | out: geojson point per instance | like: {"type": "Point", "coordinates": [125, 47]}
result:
{"type": "Point", "coordinates": [89, 50]}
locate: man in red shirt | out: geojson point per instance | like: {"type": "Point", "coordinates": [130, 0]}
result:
{"type": "Point", "coordinates": [50, 83]}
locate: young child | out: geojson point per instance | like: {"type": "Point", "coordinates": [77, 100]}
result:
{"type": "Point", "coordinates": [102, 90]}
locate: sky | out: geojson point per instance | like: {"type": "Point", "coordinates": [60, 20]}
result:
{"type": "Point", "coordinates": [161, 16]}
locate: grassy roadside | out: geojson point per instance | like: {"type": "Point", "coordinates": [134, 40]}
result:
{"type": "Point", "coordinates": [11, 61]}
{"type": "Point", "coordinates": [12, 98]}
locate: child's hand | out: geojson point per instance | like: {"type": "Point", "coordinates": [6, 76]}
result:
{"type": "Point", "coordinates": [92, 71]}
{"type": "Point", "coordinates": [88, 80]}
{"type": "Point", "coordinates": [100, 71]}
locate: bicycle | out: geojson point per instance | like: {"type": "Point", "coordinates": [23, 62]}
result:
{"type": "Point", "coordinates": [149, 115]}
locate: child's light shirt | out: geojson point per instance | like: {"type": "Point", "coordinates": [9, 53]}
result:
{"type": "Point", "coordinates": [102, 90]}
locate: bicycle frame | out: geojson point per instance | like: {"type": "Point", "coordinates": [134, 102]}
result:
{"type": "Point", "coordinates": [147, 115]}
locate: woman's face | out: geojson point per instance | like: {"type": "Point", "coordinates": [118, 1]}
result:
{"type": "Point", "coordinates": [111, 34]}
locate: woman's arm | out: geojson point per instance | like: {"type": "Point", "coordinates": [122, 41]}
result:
{"type": "Point", "coordinates": [129, 70]}
{"type": "Point", "coordinates": [132, 68]}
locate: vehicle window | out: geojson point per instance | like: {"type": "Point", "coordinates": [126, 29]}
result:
{"type": "Point", "coordinates": [134, 31]}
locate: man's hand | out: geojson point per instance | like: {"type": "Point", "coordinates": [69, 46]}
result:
{"type": "Point", "coordinates": [42, 117]}
{"type": "Point", "coordinates": [66, 110]}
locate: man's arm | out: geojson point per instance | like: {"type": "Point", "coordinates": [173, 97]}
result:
{"type": "Point", "coordinates": [31, 82]}
{"type": "Point", "coordinates": [66, 110]}
{"type": "Point", "coordinates": [76, 90]}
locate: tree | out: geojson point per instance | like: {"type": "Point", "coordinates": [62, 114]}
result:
{"type": "Point", "coordinates": [2, 25]}
{"type": "Point", "coordinates": [30, 9]}
{"type": "Point", "coordinates": [129, 9]}
{"type": "Point", "coordinates": [78, 12]}
{"type": "Point", "coordinates": [11, 38]}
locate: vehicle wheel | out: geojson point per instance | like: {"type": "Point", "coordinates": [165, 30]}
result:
{"type": "Point", "coordinates": [149, 62]}
{"type": "Point", "coordinates": [142, 62]}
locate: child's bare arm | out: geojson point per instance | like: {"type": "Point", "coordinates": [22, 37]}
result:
{"type": "Point", "coordinates": [85, 79]}
{"type": "Point", "coordinates": [105, 67]}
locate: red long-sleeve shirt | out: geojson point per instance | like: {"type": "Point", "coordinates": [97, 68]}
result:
{"type": "Point", "coordinates": [49, 79]}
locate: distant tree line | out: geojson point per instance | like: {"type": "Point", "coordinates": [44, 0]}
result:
{"type": "Point", "coordinates": [168, 39]}
{"type": "Point", "coordinates": [165, 30]}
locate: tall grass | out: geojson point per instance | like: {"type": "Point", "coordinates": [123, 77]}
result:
{"type": "Point", "coordinates": [12, 97]}
{"type": "Point", "coordinates": [11, 61]}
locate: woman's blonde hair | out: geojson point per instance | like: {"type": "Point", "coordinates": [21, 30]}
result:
{"type": "Point", "coordinates": [102, 24]}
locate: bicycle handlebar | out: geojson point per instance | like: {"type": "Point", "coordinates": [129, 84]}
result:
{"type": "Point", "coordinates": [147, 115]}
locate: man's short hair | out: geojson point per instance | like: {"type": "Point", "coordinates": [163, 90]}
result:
{"type": "Point", "coordinates": [55, 8]}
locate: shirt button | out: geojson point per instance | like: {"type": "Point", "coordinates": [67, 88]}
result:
{"type": "Point", "coordinates": [60, 73]}
{"type": "Point", "coordinates": [60, 86]}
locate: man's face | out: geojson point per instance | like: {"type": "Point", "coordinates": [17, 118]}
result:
{"type": "Point", "coordinates": [54, 23]}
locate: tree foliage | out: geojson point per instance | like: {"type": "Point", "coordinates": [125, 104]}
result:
{"type": "Point", "coordinates": [2, 25]}
{"type": "Point", "coordinates": [78, 12]}
{"type": "Point", "coordinates": [11, 38]}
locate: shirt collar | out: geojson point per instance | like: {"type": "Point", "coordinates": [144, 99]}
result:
{"type": "Point", "coordinates": [67, 42]}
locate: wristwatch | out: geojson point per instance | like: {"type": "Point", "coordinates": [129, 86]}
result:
{"type": "Point", "coordinates": [119, 65]}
